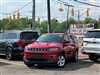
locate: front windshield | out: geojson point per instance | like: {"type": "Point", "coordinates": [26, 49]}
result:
{"type": "Point", "coordinates": [50, 38]}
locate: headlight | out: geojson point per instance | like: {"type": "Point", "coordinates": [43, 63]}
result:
{"type": "Point", "coordinates": [53, 49]}
{"type": "Point", "coordinates": [26, 48]}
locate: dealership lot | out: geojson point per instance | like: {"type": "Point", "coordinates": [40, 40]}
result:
{"type": "Point", "coordinates": [16, 67]}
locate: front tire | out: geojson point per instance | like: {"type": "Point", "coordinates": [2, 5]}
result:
{"type": "Point", "coordinates": [75, 57]}
{"type": "Point", "coordinates": [61, 61]}
{"type": "Point", "coordinates": [93, 58]}
{"type": "Point", "coordinates": [9, 54]}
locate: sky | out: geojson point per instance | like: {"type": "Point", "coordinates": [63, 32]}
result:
{"type": "Point", "coordinates": [10, 7]}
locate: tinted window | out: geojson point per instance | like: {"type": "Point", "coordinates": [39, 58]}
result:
{"type": "Point", "coordinates": [91, 34]}
{"type": "Point", "coordinates": [29, 35]}
{"type": "Point", "coordinates": [66, 37]}
{"type": "Point", "coordinates": [0, 35]}
{"type": "Point", "coordinates": [50, 38]}
{"type": "Point", "coordinates": [5, 35]}
{"type": "Point", "coordinates": [12, 36]}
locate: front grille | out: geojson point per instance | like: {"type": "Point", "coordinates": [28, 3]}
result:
{"type": "Point", "coordinates": [38, 49]}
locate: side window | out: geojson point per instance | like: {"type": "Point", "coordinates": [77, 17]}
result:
{"type": "Point", "coordinates": [1, 35]}
{"type": "Point", "coordinates": [5, 36]}
{"type": "Point", "coordinates": [9, 36]}
{"type": "Point", "coordinates": [71, 38]}
{"type": "Point", "coordinates": [66, 37]}
{"type": "Point", "coordinates": [12, 36]}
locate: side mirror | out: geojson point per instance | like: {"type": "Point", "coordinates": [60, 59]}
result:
{"type": "Point", "coordinates": [66, 41]}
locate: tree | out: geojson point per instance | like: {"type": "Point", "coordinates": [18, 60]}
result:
{"type": "Point", "coordinates": [90, 20]}
{"type": "Point", "coordinates": [3, 23]}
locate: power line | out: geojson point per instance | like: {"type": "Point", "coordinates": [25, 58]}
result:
{"type": "Point", "coordinates": [86, 7]}
{"type": "Point", "coordinates": [17, 10]}
{"type": "Point", "coordinates": [76, 6]}
{"type": "Point", "coordinates": [87, 3]}
{"type": "Point", "coordinates": [23, 7]}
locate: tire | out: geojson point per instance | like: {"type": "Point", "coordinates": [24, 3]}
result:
{"type": "Point", "coordinates": [75, 57]}
{"type": "Point", "coordinates": [61, 61]}
{"type": "Point", "coordinates": [9, 54]}
{"type": "Point", "coordinates": [93, 58]}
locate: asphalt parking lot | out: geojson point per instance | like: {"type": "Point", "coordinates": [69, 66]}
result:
{"type": "Point", "coordinates": [16, 67]}
{"type": "Point", "coordinates": [84, 66]}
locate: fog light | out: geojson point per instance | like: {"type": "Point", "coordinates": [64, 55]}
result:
{"type": "Point", "coordinates": [52, 56]}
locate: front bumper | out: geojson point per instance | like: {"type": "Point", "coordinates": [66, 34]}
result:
{"type": "Point", "coordinates": [39, 61]}
{"type": "Point", "coordinates": [40, 57]}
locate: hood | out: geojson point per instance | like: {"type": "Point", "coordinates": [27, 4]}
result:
{"type": "Point", "coordinates": [43, 45]}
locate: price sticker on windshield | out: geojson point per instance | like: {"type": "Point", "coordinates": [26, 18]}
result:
{"type": "Point", "coordinates": [60, 35]}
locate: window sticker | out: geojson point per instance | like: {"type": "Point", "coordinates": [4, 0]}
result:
{"type": "Point", "coordinates": [44, 35]}
{"type": "Point", "coordinates": [60, 35]}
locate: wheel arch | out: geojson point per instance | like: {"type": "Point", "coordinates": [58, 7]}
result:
{"type": "Point", "coordinates": [9, 45]}
{"type": "Point", "coordinates": [62, 52]}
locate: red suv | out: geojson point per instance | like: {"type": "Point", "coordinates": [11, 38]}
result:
{"type": "Point", "coordinates": [51, 48]}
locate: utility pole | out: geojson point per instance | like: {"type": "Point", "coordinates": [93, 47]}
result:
{"type": "Point", "coordinates": [78, 16]}
{"type": "Point", "coordinates": [67, 14]}
{"type": "Point", "coordinates": [33, 16]}
{"type": "Point", "coordinates": [67, 17]}
{"type": "Point", "coordinates": [48, 10]}
{"type": "Point", "coordinates": [66, 4]}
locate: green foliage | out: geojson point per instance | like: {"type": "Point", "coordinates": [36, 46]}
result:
{"type": "Point", "coordinates": [98, 24]}
{"type": "Point", "coordinates": [43, 26]}
{"type": "Point", "coordinates": [90, 20]}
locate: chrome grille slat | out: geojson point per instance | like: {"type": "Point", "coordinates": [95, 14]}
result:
{"type": "Point", "coordinates": [38, 49]}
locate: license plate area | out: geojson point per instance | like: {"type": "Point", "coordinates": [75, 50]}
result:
{"type": "Point", "coordinates": [36, 56]}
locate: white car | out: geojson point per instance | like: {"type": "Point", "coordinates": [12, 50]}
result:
{"type": "Point", "coordinates": [91, 44]}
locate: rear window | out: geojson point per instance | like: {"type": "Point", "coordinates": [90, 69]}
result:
{"type": "Point", "coordinates": [91, 34]}
{"type": "Point", "coordinates": [29, 35]}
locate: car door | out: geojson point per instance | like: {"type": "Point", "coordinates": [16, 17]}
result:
{"type": "Point", "coordinates": [67, 45]}
{"type": "Point", "coordinates": [73, 44]}
{"type": "Point", "coordinates": [3, 43]}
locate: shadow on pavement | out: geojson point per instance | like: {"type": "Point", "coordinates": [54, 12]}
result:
{"type": "Point", "coordinates": [15, 59]}
{"type": "Point", "coordinates": [4, 64]}
{"type": "Point", "coordinates": [70, 66]}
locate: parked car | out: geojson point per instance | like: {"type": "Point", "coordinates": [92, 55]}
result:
{"type": "Point", "coordinates": [91, 44]}
{"type": "Point", "coordinates": [51, 48]}
{"type": "Point", "coordinates": [12, 43]}
{"type": "Point", "coordinates": [0, 34]}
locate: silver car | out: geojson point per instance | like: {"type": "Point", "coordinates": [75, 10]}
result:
{"type": "Point", "coordinates": [91, 44]}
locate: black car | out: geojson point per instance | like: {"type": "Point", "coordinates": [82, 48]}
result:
{"type": "Point", "coordinates": [12, 43]}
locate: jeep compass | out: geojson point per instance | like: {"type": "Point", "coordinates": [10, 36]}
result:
{"type": "Point", "coordinates": [51, 48]}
